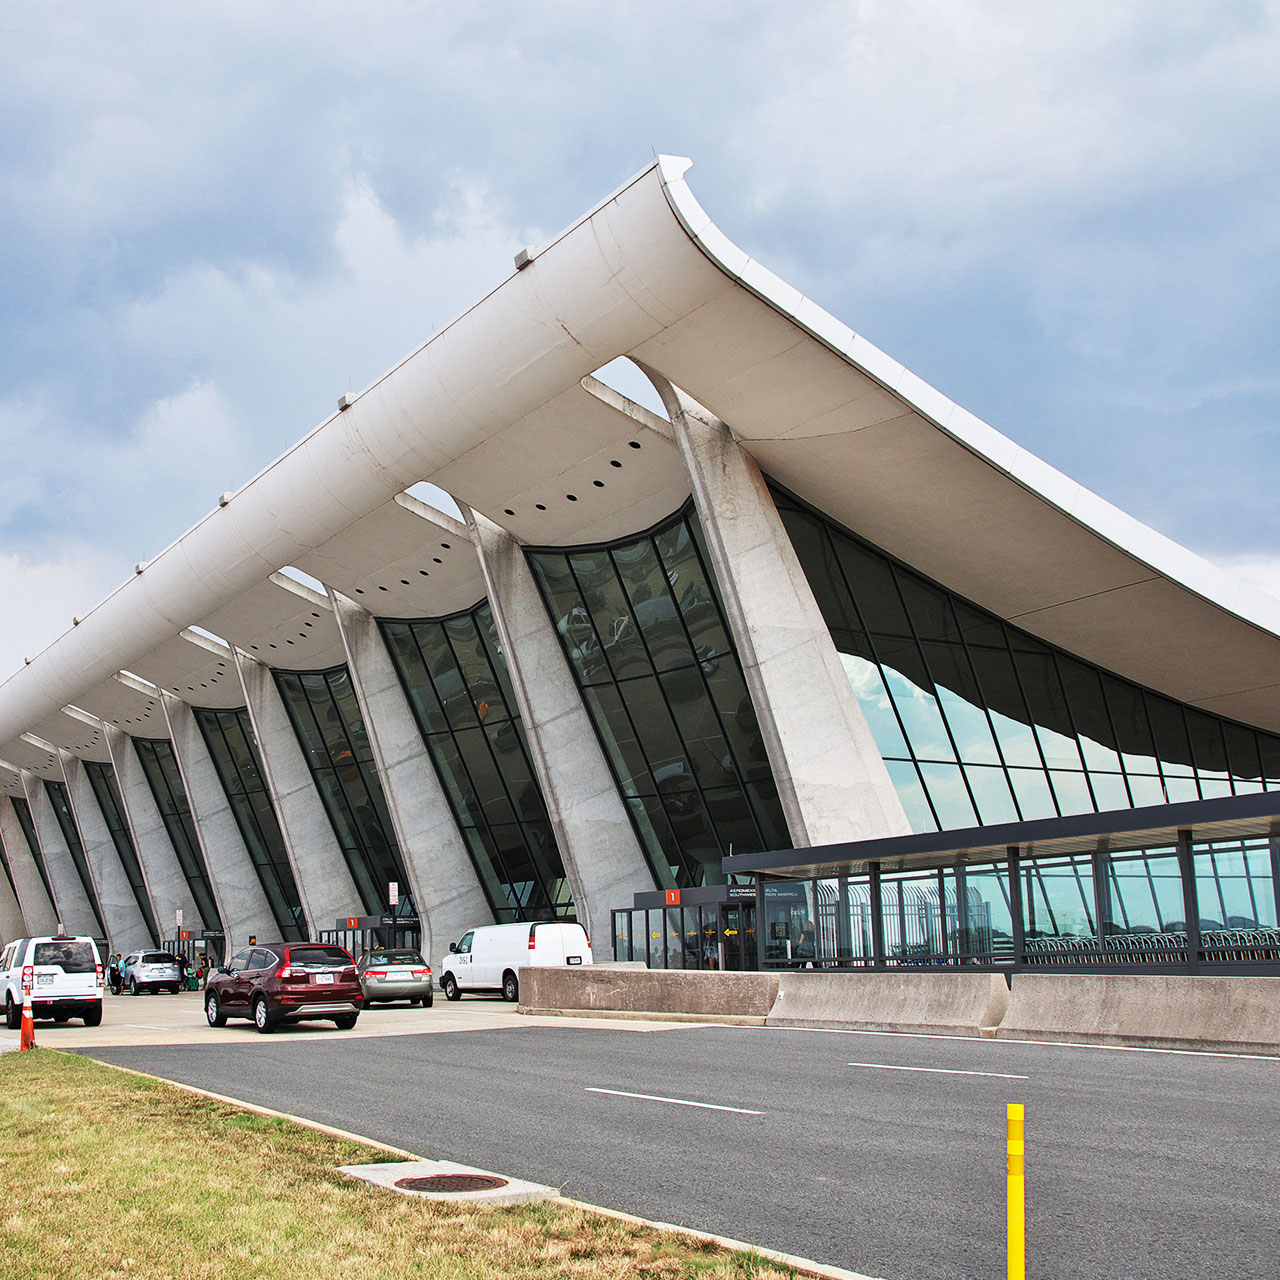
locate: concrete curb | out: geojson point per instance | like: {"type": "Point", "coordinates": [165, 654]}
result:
{"type": "Point", "coordinates": [802, 1266]}
{"type": "Point", "coordinates": [645, 1015]}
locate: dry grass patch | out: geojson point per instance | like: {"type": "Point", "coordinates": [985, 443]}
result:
{"type": "Point", "coordinates": [111, 1177]}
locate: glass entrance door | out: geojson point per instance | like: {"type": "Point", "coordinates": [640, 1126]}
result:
{"type": "Point", "coordinates": [738, 936]}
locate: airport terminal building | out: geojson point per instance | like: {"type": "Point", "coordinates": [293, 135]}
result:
{"type": "Point", "coordinates": [812, 668]}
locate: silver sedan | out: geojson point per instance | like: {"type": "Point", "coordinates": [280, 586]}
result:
{"type": "Point", "coordinates": [395, 973]}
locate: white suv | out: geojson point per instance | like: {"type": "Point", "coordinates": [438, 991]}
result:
{"type": "Point", "coordinates": [66, 979]}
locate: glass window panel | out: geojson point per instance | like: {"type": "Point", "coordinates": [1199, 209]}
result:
{"type": "Point", "coordinates": [1031, 788]}
{"type": "Point", "coordinates": [657, 730]}
{"type": "Point", "coordinates": [929, 612]}
{"type": "Point", "coordinates": [872, 583]}
{"type": "Point", "coordinates": [906, 782]}
{"type": "Point", "coordinates": [988, 919]}
{"type": "Point", "coordinates": [1089, 711]}
{"type": "Point", "coordinates": [1072, 791]}
{"type": "Point", "coordinates": [654, 828]}
{"type": "Point", "coordinates": [1109, 791]}
{"type": "Point", "coordinates": [1211, 788]}
{"type": "Point", "coordinates": [921, 718]}
{"type": "Point", "coordinates": [618, 737]}
{"type": "Point", "coordinates": [1242, 753]}
{"type": "Point", "coordinates": [738, 718]}
{"type": "Point", "coordinates": [1048, 706]}
{"type": "Point", "coordinates": [1269, 748]}
{"type": "Point", "coordinates": [951, 802]}
{"type": "Point", "coordinates": [1238, 880]}
{"type": "Point", "coordinates": [1146, 895]}
{"type": "Point", "coordinates": [1171, 737]}
{"type": "Point", "coordinates": [969, 728]}
{"type": "Point", "coordinates": [699, 727]}
{"type": "Point", "coordinates": [485, 780]}
{"type": "Point", "coordinates": [991, 792]}
{"type": "Point", "coordinates": [814, 547]}
{"type": "Point", "coordinates": [654, 607]}
{"type": "Point", "coordinates": [611, 612]}
{"type": "Point", "coordinates": [1207, 745]}
{"type": "Point", "coordinates": [1146, 790]}
{"type": "Point", "coordinates": [1180, 789]}
{"type": "Point", "coordinates": [873, 698]}
{"type": "Point", "coordinates": [1057, 897]}
{"type": "Point", "coordinates": [1017, 742]}
{"type": "Point", "coordinates": [1129, 716]}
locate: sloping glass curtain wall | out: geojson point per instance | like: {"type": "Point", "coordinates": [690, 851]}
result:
{"type": "Point", "coordinates": [326, 718]}
{"type": "Point", "coordinates": [980, 723]}
{"type": "Point", "coordinates": [160, 766]}
{"type": "Point", "coordinates": [23, 810]}
{"type": "Point", "coordinates": [234, 752]}
{"type": "Point", "coordinates": [455, 678]}
{"type": "Point", "coordinates": [102, 779]}
{"type": "Point", "coordinates": [1210, 905]}
{"type": "Point", "coordinates": [644, 630]}
{"type": "Point", "coordinates": [57, 793]}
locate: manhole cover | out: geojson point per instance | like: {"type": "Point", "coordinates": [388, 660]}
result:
{"type": "Point", "coordinates": [452, 1182]}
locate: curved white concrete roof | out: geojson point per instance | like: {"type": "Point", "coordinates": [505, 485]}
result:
{"type": "Point", "coordinates": [495, 410]}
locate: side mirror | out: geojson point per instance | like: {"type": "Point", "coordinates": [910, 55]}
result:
{"type": "Point", "coordinates": [453, 948]}
{"type": "Point", "coordinates": [222, 968]}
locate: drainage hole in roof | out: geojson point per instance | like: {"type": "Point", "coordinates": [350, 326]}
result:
{"type": "Point", "coordinates": [253, 646]}
{"type": "Point", "coordinates": [635, 444]}
{"type": "Point", "coordinates": [613, 462]}
{"type": "Point", "coordinates": [506, 511]}
{"type": "Point", "coordinates": [359, 591]}
{"type": "Point", "coordinates": [314, 615]}
{"type": "Point", "coordinates": [572, 497]}
{"type": "Point", "coordinates": [436, 560]}
{"type": "Point", "coordinates": [426, 573]}
{"type": "Point", "coordinates": [381, 588]}
{"type": "Point", "coordinates": [599, 484]}
{"type": "Point", "coordinates": [445, 545]}
{"type": "Point", "coordinates": [272, 646]}
{"type": "Point", "coordinates": [288, 641]}
{"type": "Point", "coordinates": [404, 582]}
{"type": "Point", "coordinates": [539, 506]}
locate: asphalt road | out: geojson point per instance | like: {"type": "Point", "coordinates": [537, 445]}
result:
{"type": "Point", "coordinates": [1149, 1165]}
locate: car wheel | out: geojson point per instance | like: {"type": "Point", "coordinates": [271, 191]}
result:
{"type": "Point", "coordinates": [510, 987]}
{"type": "Point", "coordinates": [428, 1001]}
{"type": "Point", "coordinates": [173, 990]}
{"type": "Point", "coordinates": [346, 1022]}
{"type": "Point", "coordinates": [450, 986]}
{"type": "Point", "coordinates": [262, 1018]}
{"type": "Point", "coordinates": [94, 1017]}
{"type": "Point", "coordinates": [12, 1014]}
{"type": "Point", "coordinates": [213, 1011]}
{"type": "Point", "coordinates": [133, 986]}
{"type": "Point", "coordinates": [62, 1017]}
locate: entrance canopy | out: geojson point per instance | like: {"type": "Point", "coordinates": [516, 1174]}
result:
{"type": "Point", "coordinates": [1225, 818]}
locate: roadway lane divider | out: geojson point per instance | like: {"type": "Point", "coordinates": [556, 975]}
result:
{"type": "Point", "coordinates": [678, 1102]}
{"type": "Point", "coordinates": [937, 1071]}
{"type": "Point", "coordinates": [1015, 1172]}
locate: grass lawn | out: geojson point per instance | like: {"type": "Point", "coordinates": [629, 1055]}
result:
{"type": "Point", "coordinates": [113, 1177]}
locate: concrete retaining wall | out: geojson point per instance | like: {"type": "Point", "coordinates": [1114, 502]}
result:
{"type": "Point", "coordinates": [610, 988]}
{"type": "Point", "coordinates": [961, 1004]}
{"type": "Point", "coordinates": [1175, 1011]}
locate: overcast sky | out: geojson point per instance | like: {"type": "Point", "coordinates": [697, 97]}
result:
{"type": "Point", "coordinates": [214, 219]}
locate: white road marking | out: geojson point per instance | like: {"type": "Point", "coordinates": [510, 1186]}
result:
{"type": "Point", "coordinates": [1054, 1044]}
{"type": "Point", "coordinates": [679, 1102]}
{"type": "Point", "coordinates": [937, 1071]}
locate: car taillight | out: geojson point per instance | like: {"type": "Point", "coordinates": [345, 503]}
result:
{"type": "Point", "coordinates": [375, 973]}
{"type": "Point", "coordinates": [349, 972]}
{"type": "Point", "coordinates": [98, 973]}
{"type": "Point", "coordinates": [288, 972]}
{"type": "Point", "coordinates": [587, 936]}
{"type": "Point", "coordinates": [422, 973]}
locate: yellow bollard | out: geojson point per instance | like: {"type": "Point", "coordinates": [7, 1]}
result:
{"type": "Point", "coordinates": [1015, 1170]}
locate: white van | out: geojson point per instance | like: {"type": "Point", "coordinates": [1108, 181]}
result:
{"type": "Point", "coordinates": [490, 958]}
{"type": "Point", "coordinates": [66, 977]}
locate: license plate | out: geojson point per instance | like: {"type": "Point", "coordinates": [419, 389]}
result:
{"type": "Point", "coordinates": [44, 979]}
{"type": "Point", "coordinates": [573, 959]}
{"type": "Point", "coordinates": [324, 977]}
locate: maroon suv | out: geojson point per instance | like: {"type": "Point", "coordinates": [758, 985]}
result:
{"type": "Point", "coordinates": [285, 982]}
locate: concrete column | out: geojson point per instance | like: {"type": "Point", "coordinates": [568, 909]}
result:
{"type": "Point", "coordinates": [70, 900]}
{"type": "Point", "coordinates": [12, 924]}
{"type": "Point", "coordinates": [160, 866]}
{"type": "Point", "coordinates": [38, 911]}
{"type": "Point", "coordinates": [602, 856]}
{"type": "Point", "coordinates": [126, 926]}
{"type": "Point", "coordinates": [237, 890]}
{"type": "Point", "coordinates": [324, 881]}
{"type": "Point", "coordinates": [444, 881]}
{"type": "Point", "coordinates": [829, 773]}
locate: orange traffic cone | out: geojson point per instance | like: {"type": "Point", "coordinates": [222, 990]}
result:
{"type": "Point", "coordinates": [28, 1023]}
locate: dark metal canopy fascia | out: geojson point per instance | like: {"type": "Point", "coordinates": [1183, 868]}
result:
{"type": "Point", "coordinates": [1225, 818]}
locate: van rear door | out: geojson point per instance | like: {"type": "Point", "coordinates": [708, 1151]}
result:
{"type": "Point", "coordinates": [65, 969]}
